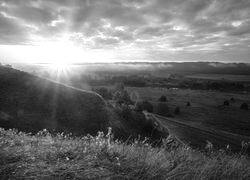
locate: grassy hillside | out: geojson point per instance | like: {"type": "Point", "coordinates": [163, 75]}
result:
{"type": "Point", "coordinates": [30, 104]}
{"type": "Point", "coordinates": [44, 156]}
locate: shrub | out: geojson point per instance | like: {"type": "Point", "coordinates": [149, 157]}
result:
{"type": "Point", "coordinates": [232, 100]}
{"type": "Point", "coordinates": [144, 105]}
{"type": "Point", "coordinates": [177, 110]}
{"type": "Point", "coordinates": [163, 99]}
{"type": "Point", "coordinates": [162, 109]}
{"type": "Point", "coordinates": [122, 97]}
{"type": "Point", "coordinates": [226, 103]}
{"type": "Point", "coordinates": [188, 104]}
{"type": "Point", "coordinates": [138, 124]}
{"type": "Point", "coordinates": [126, 113]}
{"type": "Point", "coordinates": [244, 106]}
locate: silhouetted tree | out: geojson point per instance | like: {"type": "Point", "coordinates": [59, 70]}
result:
{"type": "Point", "coordinates": [232, 100]}
{"type": "Point", "coordinates": [126, 113]}
{"type": "Point", "coordinates": [162, 109]}
{"type": "Point", "coordinates": [177, 110]}
{"type": "Point", "coordinates": [163, 99]}
{"type": "Point", "coordinates": [244, 106]}
{"type": "Point", "coordinates": [226, 103]}
{"type": "Point", "coordinates": [188, 104]}
{"type": "Point", "coordinates": [122, 97]}
{"type": "Point", "coordinates": [144, 105]}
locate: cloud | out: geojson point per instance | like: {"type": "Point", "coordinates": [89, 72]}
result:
{"type": "Point", "coordinates": [193, 28]}
{"type": "Point", "coordinates": [11, 32]}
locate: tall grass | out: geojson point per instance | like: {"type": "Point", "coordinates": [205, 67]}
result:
{"type": "Point", "coordinates": [47, 156]}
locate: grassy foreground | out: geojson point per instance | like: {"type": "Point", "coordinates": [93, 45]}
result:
{"type": "Point", "coordinates": [46, 156]}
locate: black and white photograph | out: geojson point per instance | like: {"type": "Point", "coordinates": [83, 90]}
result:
{"type": "Point", "coordinates": [124, 89]}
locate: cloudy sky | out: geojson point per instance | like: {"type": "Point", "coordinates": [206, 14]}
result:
{"type": "Point", "coordinates": [124, 30]}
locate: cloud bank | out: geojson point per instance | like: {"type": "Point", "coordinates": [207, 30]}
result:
{"type": "Point", "coordinates": [164, 30]}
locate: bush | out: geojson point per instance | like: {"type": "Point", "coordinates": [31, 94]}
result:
{"type": "Point", "coordinates": [122, 97]}
{"type": "Point", "coordinates": [244, 106]}
{"type": "Point", "coordinates": [232, 100]}
{"type": "Point", "coordinates": [126, 113]}
{"type": "Point", "coordinates": [138, 124]}
{"type": "Point", "coordinates": [162, 109]}
{"type": "Point", "coordinates": [226, 103]}
{"type": "Point", "coordinates": [188, 104]}
{"type": "Point", "coordinates": [144, 105]}
{"type": "Point", "coordinates": [163, 99]}
{"type": "Point", "coordinates": [177, 110]}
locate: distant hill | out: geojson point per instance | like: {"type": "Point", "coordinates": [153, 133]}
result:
{"type": "Point", "coordinates": [153, 68]}
{"type": "Point", "coordinates": [30, 103]}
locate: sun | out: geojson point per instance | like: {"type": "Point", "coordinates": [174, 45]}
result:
{"type": "Point", "coordinates": [61, 53]}
{"type": "Point", "coordinates": [59, 70]}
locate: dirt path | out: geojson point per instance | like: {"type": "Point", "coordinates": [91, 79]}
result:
{"type": "Point", "coordinates": [197, 136]}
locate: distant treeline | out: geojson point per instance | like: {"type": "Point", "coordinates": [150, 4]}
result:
{"type": "Point", "coordinates": [172, 81]}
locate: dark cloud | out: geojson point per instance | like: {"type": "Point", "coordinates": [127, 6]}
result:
{"type": "Point", "coordinates": [192, 28]}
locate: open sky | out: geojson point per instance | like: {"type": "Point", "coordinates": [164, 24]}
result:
{"type": "Point", "coordinates": [71, 31]}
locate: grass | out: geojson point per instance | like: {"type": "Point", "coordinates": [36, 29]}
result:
{"type": "Point", "coordinates": [60, 156]}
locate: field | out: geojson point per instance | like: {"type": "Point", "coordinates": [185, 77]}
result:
{"type": "Point", "coordinates": [222, 77]}
{"type": "Point", "coordinates": [206, 110]}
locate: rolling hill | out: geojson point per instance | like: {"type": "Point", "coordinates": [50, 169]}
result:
{"type": "Point", "coordinates": [30, 103]}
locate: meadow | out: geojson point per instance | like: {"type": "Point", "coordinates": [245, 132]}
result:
{"type": "Point", "coordinates": [206, 108]}
{"type": "Point", "coordinates": [62, 156]}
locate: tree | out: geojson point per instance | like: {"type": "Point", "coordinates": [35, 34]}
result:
{"type": "Point", "coordinates": [122, 97]}
{"type": "Point", "coordinates": [144, 105]}
{"type": "Point", "coordinates": [244, 106]}
{"type": "Point", "coordinates": [162, 109]}
{"type": "Point", "coordinates": [163, 99]}
{"type": "Point", "coordinates": [226, 103]}
{"type": "Point", "coordinates": [177, 110]}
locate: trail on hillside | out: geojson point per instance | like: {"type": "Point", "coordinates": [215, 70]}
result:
{"type": "Point", "coordinates": [198, 136]}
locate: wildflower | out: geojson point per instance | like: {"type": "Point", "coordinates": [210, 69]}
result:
{"type": "Point", "coordinates": [209, 145]}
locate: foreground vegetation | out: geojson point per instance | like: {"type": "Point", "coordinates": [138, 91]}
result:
{"type": "Point", "coordinates": [47, 156]}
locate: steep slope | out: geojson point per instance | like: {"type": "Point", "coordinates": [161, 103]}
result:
{"type": "Point", "coordinates": [30, 104]}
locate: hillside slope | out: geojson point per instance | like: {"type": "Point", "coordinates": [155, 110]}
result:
{"type": "Point", "coordinates": [30, 104]}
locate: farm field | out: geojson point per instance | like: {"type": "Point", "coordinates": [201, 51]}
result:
{"type": "Point", "coordinates": [206, 110]}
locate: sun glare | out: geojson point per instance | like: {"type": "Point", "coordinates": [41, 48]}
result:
{"type": "Point", "coordinates": [60, 53]}
{"type": "Point", "coordinates": [57, 66]}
